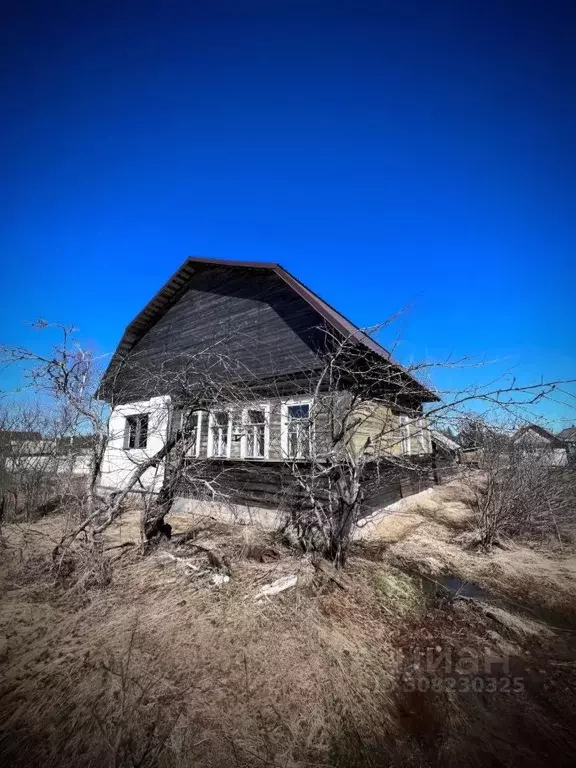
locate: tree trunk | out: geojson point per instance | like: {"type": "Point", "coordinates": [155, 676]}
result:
{"type": "Point", "coordinates": [97, 458]}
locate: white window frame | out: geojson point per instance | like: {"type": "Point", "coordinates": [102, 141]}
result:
{"type": "Point", "coordinates": [424, 436]}
{"type": "Point", "coordinates": [405, 433]}
{"type": "Point", "coordinates": [199, 421]}
{"type": "Point", "coordinates": [265, 407]}
{"type": "Point", "coordinates": [309, 401]}
{"type": "Point", "coordinates": [210, 451]}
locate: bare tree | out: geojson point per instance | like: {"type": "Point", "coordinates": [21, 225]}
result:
{"type": "Point", "coordinates": [66, 411]}
{"type": "Point", "coordinates": [350, 445]}
{"type": "Point", "coordinates": [369, 429]}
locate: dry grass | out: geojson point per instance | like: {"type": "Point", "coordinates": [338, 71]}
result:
{"type": "Point", "coordinates": [425, 535]}
{"type": "Point", "coordinates": [160, 667]}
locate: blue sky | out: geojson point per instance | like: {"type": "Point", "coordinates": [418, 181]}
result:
{"type": "Point", "coordinates": [388, 154]}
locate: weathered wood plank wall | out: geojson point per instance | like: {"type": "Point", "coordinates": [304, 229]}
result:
{"type": "Point", "coordinates": [251, 320]}
{"type": "Point", "coordinates": [272, 485]}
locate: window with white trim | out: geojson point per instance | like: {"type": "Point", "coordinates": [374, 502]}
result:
{"type": "Point", "coordinates": [256, 431]}
{"type": "Point", "coordinates": [405, 433]}
{"type": "Point", "coordinates": [297, 429]}
{"type": "Point", "coordinates": [220, 434]}
{"type": "Point", "coordinates": [191, 427]}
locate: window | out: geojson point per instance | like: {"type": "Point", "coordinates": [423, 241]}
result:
{"type": "Point", "coordinates": [297, 429]}
{"type": "Point", "coordinates": [136, 431]}
{"type": "Point", "coordinates": [191, 426]}
{"type": "Point", "coordinates": [405, 434]}
{"type": "Point", "coordinates": [256, 432]}
{"type": "Point", "coordinates": [423, 436]}
{"type": "Point", "coordinates": [219, 434]}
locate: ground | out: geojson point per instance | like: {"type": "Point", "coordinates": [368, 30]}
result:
{"type": "Point", "coordinates": [427, 654]}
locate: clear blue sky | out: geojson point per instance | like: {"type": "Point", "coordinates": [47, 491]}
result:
{"type": "Point", "coordinates": [387, 153]}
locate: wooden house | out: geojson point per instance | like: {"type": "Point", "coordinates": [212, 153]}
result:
{"type": "Point", "coordinates": [537, 442]}
{"type": "Point", "coordinates": [568, 437]}
{"type": "Point", "coordinates": [232, 353]}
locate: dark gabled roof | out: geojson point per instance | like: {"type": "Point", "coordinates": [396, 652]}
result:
{"type": "Point", "coordinates": [539, 431]}
{"type": "Point", "coordinates": [176, 285]}
{"type": "Point", "coordinates": [568, 434]}
{"type": "Point", "coordinates": [13, 435]}
{"type": "Point", "coordinates": [76, 442]}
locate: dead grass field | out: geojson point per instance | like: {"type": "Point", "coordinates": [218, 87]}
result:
{"type": "Point", "coordinates": [163, 667]}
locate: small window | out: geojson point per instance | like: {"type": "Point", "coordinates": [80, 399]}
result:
{"type": "Point", "coordinates": [255, 444]}
{"type": "Point", "coordinates": [136, 434]}
{"type": "Point", "coordinates": [298, 430]}
{"type": "Point", "coordinates": [220, 434]}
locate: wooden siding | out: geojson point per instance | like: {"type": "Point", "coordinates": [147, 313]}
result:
{"type": "Point", "coordinates": [380, 424]}
{"type": "Point", "coordinates": [251, 319]}
{"type": "Point", "coordinates": [270, 482]}
{"type": "Point", "coordinates": [272, 485]}
{"type": "Point", "coordinates": [257, 483]}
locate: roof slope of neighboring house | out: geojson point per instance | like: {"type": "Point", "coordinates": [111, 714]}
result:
{"type": "Point", "coordinates": [34, 444]}
{"type": "Point", "coordinates": [568, 434]}
{"type": "Point", "coordinates": [446, 442]}
{"type": "Point", "coordinates": [544, 433]}
{"type": "Point", "coordinates": [13, 436]}
{"type": "Point", "coordinates": [76, 442]}
{"type": "Point", "coordinates": [174, 288]}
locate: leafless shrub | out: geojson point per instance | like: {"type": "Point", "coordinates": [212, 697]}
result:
{"type": "Point", "coordinates": [83, 566]}
{"type": "Point", "coordinates": [28, 477]}
{"type": "Point", "coordinates": [521, 493]}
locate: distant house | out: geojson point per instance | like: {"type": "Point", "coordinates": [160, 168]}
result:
{"type": "Point", "coordinates": [568, 436]}
{"type": "Point", "coordinates": [537, 441]}
{"type": "Point", "coordinates": [13, 436]}
{"type": "Point", "coordinates": [445, 446]}
{"type": "Point", "coordinates": [272, 331]}
{"type": "Point", "coordinates": [30, 452]}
